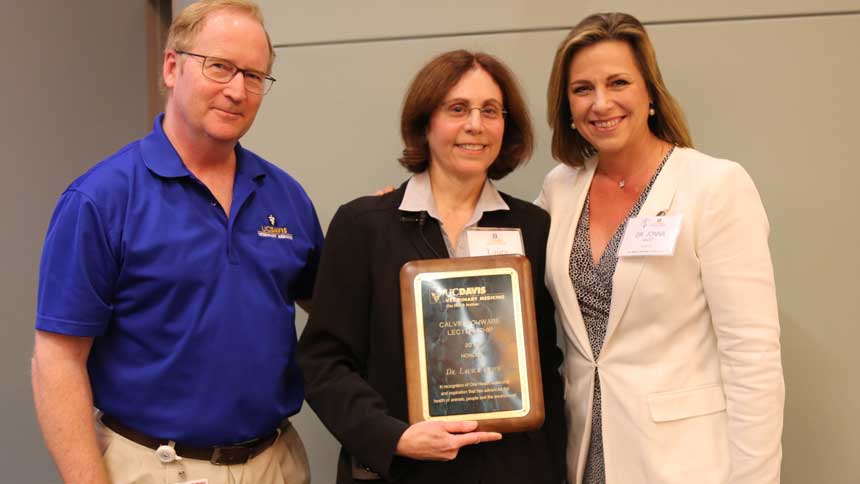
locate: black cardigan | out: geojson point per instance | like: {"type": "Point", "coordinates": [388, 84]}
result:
{"type": "Point", "coordinates": [351, 351]}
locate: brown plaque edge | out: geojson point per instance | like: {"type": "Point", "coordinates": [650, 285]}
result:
{"type": "Point", "coordinates": [535, 417]}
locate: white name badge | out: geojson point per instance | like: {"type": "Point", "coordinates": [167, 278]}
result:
{"type": "Point", "coordinates": [494, 241]}
{"type": "Point", "coordinates": [650, 236]}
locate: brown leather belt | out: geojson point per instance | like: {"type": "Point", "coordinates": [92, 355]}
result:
{"type": "Point", "coordinates": [225, 455]}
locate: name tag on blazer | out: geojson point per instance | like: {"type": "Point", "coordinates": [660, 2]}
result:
{"type": "Point", "coordinates": [494, 241]}
{"type": "Point", "coordinates": [650, 236]}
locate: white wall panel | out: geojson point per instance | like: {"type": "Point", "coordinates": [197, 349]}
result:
{"type": "Point", "coordinates": [775, 95]}
{"type": "Point", "coordinates": [338, 20]}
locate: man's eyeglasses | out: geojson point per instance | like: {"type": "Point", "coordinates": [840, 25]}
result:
{"type": "Point", "coordinates": [461, 110]}
{"type": "Point", "coordinates": [223, 71]}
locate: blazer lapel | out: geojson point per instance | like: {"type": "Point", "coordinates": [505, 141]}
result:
{"type": "Point", "coordinates": [422, 231]}
{"type": "Point", "coordinates": [425, 239]}
{"type": "Point", "coordinates": [627, 271]}
{"type": "Point", "coordinates": [570, 198]}
{"type": "Point", "coordinates": [495, 218]}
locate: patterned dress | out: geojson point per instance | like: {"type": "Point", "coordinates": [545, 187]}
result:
{"type": "Point", "coordinates": [593, 286]}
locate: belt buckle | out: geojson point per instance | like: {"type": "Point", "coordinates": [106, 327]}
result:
{"type": "Point", "coordinates": [232, 455]}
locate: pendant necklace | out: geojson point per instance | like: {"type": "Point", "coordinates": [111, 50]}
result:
{"type": "Point", "coordinates": [623, 182]}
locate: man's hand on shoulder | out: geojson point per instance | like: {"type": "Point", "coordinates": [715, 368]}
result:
{"type": "Point", "coordinates": [384, 190]}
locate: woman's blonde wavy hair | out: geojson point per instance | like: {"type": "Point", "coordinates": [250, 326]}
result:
{"type": "Point", "coordinates": [668, 124]}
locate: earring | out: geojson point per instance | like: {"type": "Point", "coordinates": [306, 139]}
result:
{"type": "Point", "coordinates": [651, 110]}
{"type": "Point", "coordinates": [573, 125]}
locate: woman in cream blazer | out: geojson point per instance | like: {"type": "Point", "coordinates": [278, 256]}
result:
{"type": "Point", "coordinates": [690, 373]}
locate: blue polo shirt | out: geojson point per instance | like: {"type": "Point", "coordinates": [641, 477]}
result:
{"type": "Point", "coordinates": [192, 311]}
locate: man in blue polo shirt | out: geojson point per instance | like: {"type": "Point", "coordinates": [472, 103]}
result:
{"type": "Point", "coordinates": [168, 281]}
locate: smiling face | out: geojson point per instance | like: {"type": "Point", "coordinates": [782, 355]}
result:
{"type": "Point", "coordinates": [464, 147]}
{"type": "Point", "coordinates": [201, 109]}
{"type": "Point", "coordinates": [609, 98]}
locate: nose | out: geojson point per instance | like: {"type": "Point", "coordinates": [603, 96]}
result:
{"type": "Point", "coordinates": [235, 89]}
{"type": "Point", "coordinates": [602, 100]}
{"type": "Point", "coordinates": [474, 121]}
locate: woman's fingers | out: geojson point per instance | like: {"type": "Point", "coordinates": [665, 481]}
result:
{"type": "Point", "coordinates": [473, 438]}
{"type": "Point", "coordinates": [441, 440]}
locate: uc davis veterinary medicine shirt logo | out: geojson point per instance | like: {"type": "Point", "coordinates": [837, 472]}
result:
{"type": "Point", "coordinates": [273, 231]}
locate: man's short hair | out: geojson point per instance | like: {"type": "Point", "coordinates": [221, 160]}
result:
{"type": "Point", "coordinates": [185, 27]}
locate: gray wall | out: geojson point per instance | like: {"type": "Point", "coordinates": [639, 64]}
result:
{"type": "Point", "coordinates": [74, 90]}
{"type": "Point", "coordinates": [770, 85]}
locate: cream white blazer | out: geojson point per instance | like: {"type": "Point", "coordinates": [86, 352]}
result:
{"type": "Point", "coordinates": [690, 370]}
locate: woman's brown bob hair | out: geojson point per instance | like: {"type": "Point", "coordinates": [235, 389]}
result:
{"type": "Point", "coordinates": [427, 92]}
{"type": "Point", "coordinates": [668, 124]}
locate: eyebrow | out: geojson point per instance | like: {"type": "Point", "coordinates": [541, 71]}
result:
{"type": "Point", "coordinates": [464, 100]}
{"type": "Point", "coordinates": [250, 69]}
{"type": "Point", "coordinates": [610, 77]}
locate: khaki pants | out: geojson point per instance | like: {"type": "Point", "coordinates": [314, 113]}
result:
{"type": "Point", "coordinates": [284, 462]}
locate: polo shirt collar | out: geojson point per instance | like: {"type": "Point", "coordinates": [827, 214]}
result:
{"type": "Point", "coordinates": [161, 157]}
{"type": "Point", "coordinates": [247, 165]}
{"type": "Point", "coordinates": [419, 198]}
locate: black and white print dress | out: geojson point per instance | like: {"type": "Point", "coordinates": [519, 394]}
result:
{"type": "Point", "coordinates": [593, 286]}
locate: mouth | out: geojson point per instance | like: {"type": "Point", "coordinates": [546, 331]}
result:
{"type": "Point", "coordinates": [230, 114]}
{"type": "Point", "coordinates": [474, 147]}
{"type": "Point", "coordinates": [606, 124]}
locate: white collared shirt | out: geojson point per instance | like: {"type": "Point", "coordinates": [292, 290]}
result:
{"type": "Point", "coordinates": [419, 198]}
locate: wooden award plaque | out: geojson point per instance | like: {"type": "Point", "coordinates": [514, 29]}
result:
{"type": "Point", "coordinates": [470, 342]}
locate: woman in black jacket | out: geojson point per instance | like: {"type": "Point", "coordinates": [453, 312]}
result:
{"type": "Point", "coordinates": [464, 122]}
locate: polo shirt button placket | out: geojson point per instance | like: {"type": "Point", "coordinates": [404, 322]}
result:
{"type": "Point", "coordinates": [231, 250]}
{"type": "Point", "coordinates": [231, 256]}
